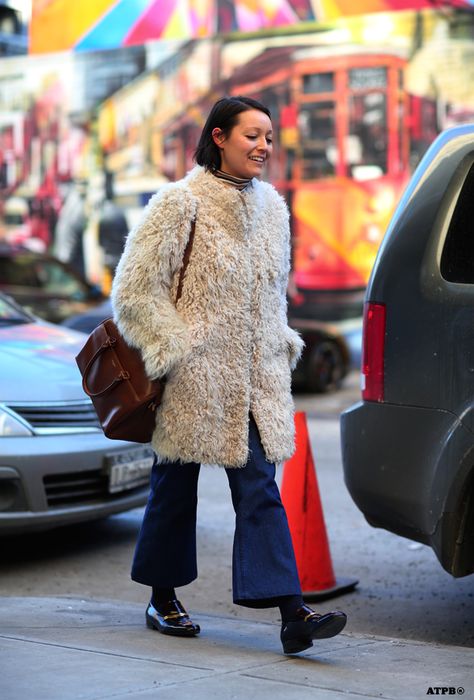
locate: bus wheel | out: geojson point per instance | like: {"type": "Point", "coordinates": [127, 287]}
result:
{"type": "Point", "coordinates": [325, 368]}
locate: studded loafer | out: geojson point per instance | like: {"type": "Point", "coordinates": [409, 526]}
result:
{"type": "Point", "coordinates": [171, 618]}
{"type": "Point", "coordinates": [298, 634]}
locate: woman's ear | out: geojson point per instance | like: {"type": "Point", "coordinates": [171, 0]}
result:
{"type": "Point", "coordinates": [218, 136]}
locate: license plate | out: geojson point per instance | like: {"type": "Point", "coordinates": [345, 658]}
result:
{"type": "Point", "coordinates": [129, 469]}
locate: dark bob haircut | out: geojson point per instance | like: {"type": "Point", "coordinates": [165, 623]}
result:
{"type": "Point", "coordinates": [223, 116]}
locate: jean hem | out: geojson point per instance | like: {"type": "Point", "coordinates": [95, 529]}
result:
{"type": "Point", "coordinates": [267, 602]}
{"type": "Point", "coordinates": [162, 583]}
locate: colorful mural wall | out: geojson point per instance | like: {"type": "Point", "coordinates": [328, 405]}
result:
{"type": "Point", "coordinates": [58, 25]}
{"type": "Point", "coordinates": [355, 104]}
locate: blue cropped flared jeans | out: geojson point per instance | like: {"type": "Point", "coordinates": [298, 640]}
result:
{"type": "Point", "coordinates": [263, 564]}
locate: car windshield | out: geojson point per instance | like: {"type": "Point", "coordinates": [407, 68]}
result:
{"type": "Point", "coordinates": [11, 314]}
{"type": "Point", "coordinates": [44, 274]}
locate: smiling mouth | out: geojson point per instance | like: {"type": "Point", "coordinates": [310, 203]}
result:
{"type": "Point", "coordinates": [257, 160]}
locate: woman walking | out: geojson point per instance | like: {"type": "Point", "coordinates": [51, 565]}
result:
{"type": "Point", "coordinates": [226, 351]}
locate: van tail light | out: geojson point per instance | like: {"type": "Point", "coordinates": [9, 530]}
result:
{"type": "Point", "coordinates": [373, 348]}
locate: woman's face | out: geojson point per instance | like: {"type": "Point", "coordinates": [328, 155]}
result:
{"type": "Point", "coordinates": [248, 146]}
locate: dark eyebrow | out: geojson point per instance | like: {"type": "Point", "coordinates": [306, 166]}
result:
{"type": "Point", "coordinates": [257, 128]}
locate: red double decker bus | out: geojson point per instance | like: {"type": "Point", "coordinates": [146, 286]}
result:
{"type": "Point", "coordinates": [343, 126]}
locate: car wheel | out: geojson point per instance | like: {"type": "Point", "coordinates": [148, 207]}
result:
{"type": "Point", "coordinates": [325, 368]}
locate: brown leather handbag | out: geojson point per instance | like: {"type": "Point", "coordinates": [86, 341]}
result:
{"type": "Point", "coordinates": [113, 375]}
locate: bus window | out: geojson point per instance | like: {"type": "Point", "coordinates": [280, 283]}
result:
{"type": "Point", "coordinates": [316, 123]}
{"type": "Point", "coordinates": [367, 78]}
{"type": "Point", "coordinates": [318, 82]}
{"type": "Point", "coordinates": [368, 124]}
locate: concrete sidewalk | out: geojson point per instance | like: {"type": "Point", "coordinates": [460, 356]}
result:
{"type": "Point", "coordinates": [70, 649]}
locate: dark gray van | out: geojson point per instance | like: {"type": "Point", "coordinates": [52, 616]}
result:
{"type": "Point", "coordinates": [408, 446]}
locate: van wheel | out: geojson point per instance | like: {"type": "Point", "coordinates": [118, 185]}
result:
{"type": "Point", "coordinates": [326, 368]}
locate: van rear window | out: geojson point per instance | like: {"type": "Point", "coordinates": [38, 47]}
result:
{"type": "Point", "coordinates": [457, 259]}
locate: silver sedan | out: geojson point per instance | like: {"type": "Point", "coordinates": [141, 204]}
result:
{"type": "Point", "coordinates": [56, 466]}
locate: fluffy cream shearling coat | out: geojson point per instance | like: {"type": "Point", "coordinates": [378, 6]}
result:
{"type": "Point", "coordinates": [225, 348]}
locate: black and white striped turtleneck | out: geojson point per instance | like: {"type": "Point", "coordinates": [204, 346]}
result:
{"type": "Point", "coordinates": [239, 183]}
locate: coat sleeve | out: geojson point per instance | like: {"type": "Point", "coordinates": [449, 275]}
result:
{"type": "Point", "coordinates": [141, 298]}
{"type": "Point", "coordinates": [294, 341]}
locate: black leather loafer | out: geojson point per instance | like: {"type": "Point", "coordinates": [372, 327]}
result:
{"type": "Point", "coordinates": [171, 618]}
{"type": "Point", "coordinates": [298, 634]}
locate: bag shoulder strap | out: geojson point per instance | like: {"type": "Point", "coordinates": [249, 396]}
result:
{"type": "Point", "coordinates": [187, 255]}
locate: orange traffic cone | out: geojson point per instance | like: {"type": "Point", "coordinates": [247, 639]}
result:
{"type": "Point", "coordinates": [300, 496]}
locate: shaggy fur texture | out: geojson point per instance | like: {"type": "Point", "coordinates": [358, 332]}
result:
{"type": "Point", "coordinates": [226, 348]}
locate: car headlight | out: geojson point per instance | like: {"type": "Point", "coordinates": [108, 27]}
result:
{"type": "Point", "coordinates": [12, 426]}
